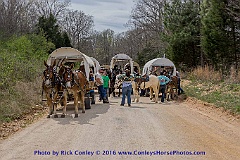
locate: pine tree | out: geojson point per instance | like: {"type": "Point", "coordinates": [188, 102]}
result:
{"type": "Point", "coordinates": [48, 26]}
{"type": "Point", "coordinates": [214, 41]}
{"type": "Point", "coordinates": [182, 25]}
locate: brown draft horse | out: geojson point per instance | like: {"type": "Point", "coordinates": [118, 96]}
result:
{"type": "Point", "coordinates": [50, 88]}
{"type": "Point", "coordinates": [171, 89]}
{"type": "Point", "coordinates": [76, 83]}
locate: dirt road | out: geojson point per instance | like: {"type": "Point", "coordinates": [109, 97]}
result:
{"type": "Point", "coordinates": [143, 131]}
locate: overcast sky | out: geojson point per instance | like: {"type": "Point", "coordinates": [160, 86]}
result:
{"type": "Point", "coordinates": [107, 14]}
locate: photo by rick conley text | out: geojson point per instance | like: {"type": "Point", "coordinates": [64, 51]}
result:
{"type": "Point", "coordinates": [63, 152]}
{"type": "Point", "coordinates": [114, 152]}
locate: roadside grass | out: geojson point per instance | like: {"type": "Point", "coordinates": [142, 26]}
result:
{"type": "Point", "coordinates": [220, 95]}
{"type": "Point", "coordinates": [19, 100]}
{"type": "Point", "coordinates": [207, 85]}
{"type": "Point", "coordinates": [21, 69]}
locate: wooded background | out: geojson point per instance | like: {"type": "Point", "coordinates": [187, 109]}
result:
{"type": "Point", "coordinates": [189, 32]}
{"type": "Point", "coordinates": [200, 36]}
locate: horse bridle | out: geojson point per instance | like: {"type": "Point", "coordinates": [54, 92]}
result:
{"type": "Point", "coordinates": [142, 80]}
{"type": "Point", "coordinates": [72, 80]}
{"type": "Point", "coordinates": [47, 76]}
{"type": "Point", "coordinates": [70, 76]}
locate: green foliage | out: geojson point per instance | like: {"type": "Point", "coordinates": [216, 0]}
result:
{"type": "Point", "coordinates": [220, 94]}
{"type": "Point", "coordinates": [146, 55]}
{"type": "Point", "coordinates": [182, 24]}
{"type": "Point", "coordinates": [21, 58]}
{"type": "Point", "coordinates": [21, 61]}
{"type": "Point", "coordinates": [41, 46]}
{"type": "Point", "coordinates": [66, 40]}
{"type": "Point", "coordinates": [214, 39]}
{"type": "Point", "coordinates": [49, 28]}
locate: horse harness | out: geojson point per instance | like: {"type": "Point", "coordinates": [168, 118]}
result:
{"type": "Point", "coordinates": [143, 79]}
{"type": "Point", "coordinates": [55, 80]}
{"type": "Point", "coordinates": [47, 76]}
{"type": "Point", "coordinates": [85, 85]}
{"type": "Point", "coordinates": [72, 80]}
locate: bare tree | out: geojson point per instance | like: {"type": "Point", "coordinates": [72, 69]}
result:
{"type": "Point", "coordinates": [107, 44]}
{"type": "Point", "coordinates": [234, 8]}
{"type": "Point", "coordinates": [146, 26]}
{"type": "Point", "coordinates": [147, 19]}
{"type": "Point", "coordinates": [128, 43]}
{"type": "Point", "coordinates": [148, 15]}
{"type": "Point", "coordinates": [16, 16]}
{"type": "Point", "coordinates": [78, 25]}
{"type": "Point", "coordinates": [54, 7]}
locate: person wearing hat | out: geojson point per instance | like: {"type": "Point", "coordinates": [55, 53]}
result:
{"type": "Point", "coordinates": [126, 86]}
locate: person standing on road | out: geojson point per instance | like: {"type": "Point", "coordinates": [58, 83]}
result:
{"type": "Point", "coordinates": [99, 83]}
{"type": "Point", "coordinates": [126, 86]}
{"type": "Point", "coordinates": [180, 90]}
{"type": "Point", "coordinates": [91, 82]}
{"type": "Point", "coordinates": [105, 83]}
{"type": "Point", "coordinates": [163, 82]}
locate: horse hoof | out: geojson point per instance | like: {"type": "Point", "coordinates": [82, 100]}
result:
{"type": "Point", "coordinates": [83, 111]}
{"type": "Point", "coordinates": [76, 115]}
{"type": "Point", "coordinates": [63, 116]}
{"type": "Point", "coordinates": [55, 116]}
{"type": "Point", "coordinates": [48, 116]}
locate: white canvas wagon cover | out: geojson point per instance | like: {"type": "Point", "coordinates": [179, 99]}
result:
{"type": "Point", "coordinates": [158, 62]}
{"type": "Point", "coordinates": [135, 64]}
{"type": "Point", "coordinates": [119, 58]}
{"type": "Point", "coordinates": [68, 54]}
{"type": "Point", "coordinates": [96, 63]}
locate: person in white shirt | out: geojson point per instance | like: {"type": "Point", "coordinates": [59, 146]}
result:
{"type": "Point", "coordinates": [99, 83]}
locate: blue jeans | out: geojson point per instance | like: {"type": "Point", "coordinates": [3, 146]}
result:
{"type": "Point", "coordinates": [106, 93]}
{"type": "Point", "coordinates": [162, 89]}
{"type": "Point", "coordinates": [101, 92]}
{"type": "Point", "coordinates": [126, 91]}
{"type": "Point", "coordinates": [180, 90]}
{"type": "Point", "coordinates": [93, 96]}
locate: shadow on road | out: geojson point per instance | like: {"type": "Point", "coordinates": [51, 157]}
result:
{"type": "Point", "coordinates": [83, 118]}
{"type": "Point", "coordinates": [137, 107]}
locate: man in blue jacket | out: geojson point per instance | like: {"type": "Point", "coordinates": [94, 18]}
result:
{"type": "Point", "coordinates": [163, 82]}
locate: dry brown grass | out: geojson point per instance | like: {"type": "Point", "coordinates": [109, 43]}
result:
{"type": "Point", "coordinates": [20, 99]}
{"type": "Point", "coordinates": [234, 76]}
{"type": "Point", "coordinates": [206, 73]}
{"type": "Point", "coordinates": [29, 91]}
{"type": "Point", "coordinates": [210, 86]}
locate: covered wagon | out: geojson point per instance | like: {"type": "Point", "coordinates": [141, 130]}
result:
{"type": "Point", "coordinates": [121, 60]}
{"type": "Point", "coordinates": [160, 64]}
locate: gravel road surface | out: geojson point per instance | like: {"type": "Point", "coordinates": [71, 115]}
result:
{"type": "Point", "coordinates": [145, 130]}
